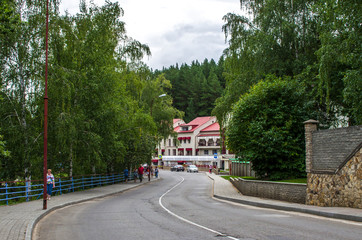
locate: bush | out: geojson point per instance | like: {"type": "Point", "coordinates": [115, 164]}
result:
{"type": "Point", "coordinates": [267, 129]}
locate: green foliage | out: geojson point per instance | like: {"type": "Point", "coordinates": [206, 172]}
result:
{"type": "Point", "coordinates": [266, 128]}
{"type": "Point", "coordinates": [9, 20]}
{"type": "Point", "coordinates": [317, 42]}
{"type": "Point", "coordinates": [195, 87]}
{"type": "Point", "coordinates": [21, 86]}
{"type": "Point", "coordinates": [339, 57]}
{"type": "Point", "coordinates": [104, 111]}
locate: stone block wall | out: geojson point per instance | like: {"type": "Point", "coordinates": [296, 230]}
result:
{"type": "Point", "coordinates": [289, 192]}
{"type": "Point", "coordinates": [343, 189]}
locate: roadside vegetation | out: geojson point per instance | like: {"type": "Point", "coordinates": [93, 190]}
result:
{"type": "Point", "coordinates": [105, 112]}
{"type": "Point", "coordinates": [287, 62]}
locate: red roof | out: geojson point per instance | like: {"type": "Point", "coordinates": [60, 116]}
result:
{"type": "Point", "coordinates": [176, 128]}
{"type": "Point", "coordinates": [212, 128]}
{"type": "Point", "coordinates": [175, 120]}
{"type": "Point", "coordinates": [196, 123]}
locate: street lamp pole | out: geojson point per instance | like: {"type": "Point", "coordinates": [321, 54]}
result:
{"type": "Point", "coordinates": [46, 113]}
{"type": "Point", "coordinates": [160, 96]}
{"type": "Point", "coordinates": [153, 99]}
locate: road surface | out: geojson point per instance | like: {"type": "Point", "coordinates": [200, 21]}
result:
{"type": "Point", "coordinates": [180, 206]}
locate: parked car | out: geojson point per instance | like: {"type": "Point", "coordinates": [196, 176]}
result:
{"type": "Point", "coordinates": [192, 168]}
{"type": "Point", "coordinates": [177, 168]}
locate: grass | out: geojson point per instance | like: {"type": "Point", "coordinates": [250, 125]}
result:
{"type": "Point", "coordinates": [297, 180]}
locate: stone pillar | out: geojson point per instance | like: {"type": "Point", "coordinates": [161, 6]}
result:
{"type": "Point", "coordinates": [310, 126]}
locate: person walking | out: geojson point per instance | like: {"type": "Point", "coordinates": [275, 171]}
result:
{"type": "Point", "coordinates": [210, 168]}
{"type": "Point", "coordinates": [135, 174]}
{"type": "Point", "coordinates": [149, 173]}
{"type": "Point", "coordinates": [125, 174]}
{"type": "Point", "coordinates": [156, 172]}
{"type": "Point", "coordinates": [140, 172]}
{"type": "Point", "coordinates": [50, 183]}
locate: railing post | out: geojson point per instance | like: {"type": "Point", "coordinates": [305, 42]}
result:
{"type": "Point", "coordinates": [60, 186]}
{"type": "Point", "coordinates": [72, 185]}
{"type": "Point", "coordinates": [6, 195]}
{"type": "Point", "coordinates": [83, 182]}
{"type": "Point", "coordinates": [27, 190]}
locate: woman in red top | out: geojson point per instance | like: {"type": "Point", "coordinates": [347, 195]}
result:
{"type": "Point", "coordinates": [140, 172]}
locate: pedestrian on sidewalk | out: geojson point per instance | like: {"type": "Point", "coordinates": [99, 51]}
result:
{"type": "Point", "coordinates": [149, 173]}
{"type": "Point", "coordinates": [140, 172]}
{"type": "Point", "coordinates": [210, 168]}
{"type": "Point", "coordinates": [125, 174]}
{"type": "Point", "coordinates": [156, 172]}
{"type": "Point", "coordinates": [135, 174]}
{"type": "Point", "coordinates": [50, 183]}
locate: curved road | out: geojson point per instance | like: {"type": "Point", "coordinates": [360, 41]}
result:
{"type": "Point", "coordinates": [179, 206]}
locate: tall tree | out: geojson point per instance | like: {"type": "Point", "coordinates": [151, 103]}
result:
{"type": "Point", "coordinates": [22, 80]}
{"type": "Point", "coordinates": [266, 128]}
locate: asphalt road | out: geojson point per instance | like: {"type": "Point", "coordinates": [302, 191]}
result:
{"type": "Point", "coordinates": [179, 206]}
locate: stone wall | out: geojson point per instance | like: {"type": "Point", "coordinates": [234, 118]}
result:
{"type": "Point", "coordinates": [343, 189]}
{"type": "Point", "coordinates": [290, 192]}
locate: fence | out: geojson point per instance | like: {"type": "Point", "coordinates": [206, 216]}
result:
{"type": "Point", "coordinates": [241, 168]}
{"type": "Point", "coordinates": [19, 191]}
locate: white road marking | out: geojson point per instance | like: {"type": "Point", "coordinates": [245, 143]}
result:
{"type": "Point", "coordinates": [188, 221]}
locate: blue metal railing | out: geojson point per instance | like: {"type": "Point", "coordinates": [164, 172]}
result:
{"type": "Point", "coordinates": [20, 191]}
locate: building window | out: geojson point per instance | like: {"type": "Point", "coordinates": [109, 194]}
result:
{"type": "Point", "coordinates": [174, 152]}
{"type": "Point", "coordinates": [169, 151]}
{"type": "Point", "coordinates": [184, 140]}
{"type": "Point", "coordinates": [210, 142]}
{"type": "Point", "coordinates": [202, 142]}
{"type": "Point", "coordinates": [189, 140]}
{"type": "Point", "coordinates": [185, 128]}
{"type": "Point", "coordinates": [214, 151]}
{"type": "Point", "coordinates": [169, 142]}
{"type": "Point", "coordinates": [206, 152]}
{"type": "Point", "coordinates": [218, 142]}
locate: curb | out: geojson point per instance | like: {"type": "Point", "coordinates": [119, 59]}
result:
{"type": "Point", "coordinates": [31, 226]}
{"type": "Point", "coordinates": [289, 208]}
{"type": "Point", "coordinates": [293, 209]}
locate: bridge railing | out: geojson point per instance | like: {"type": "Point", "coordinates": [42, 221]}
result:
{"type": "Point", "coordinates": [24, 191]}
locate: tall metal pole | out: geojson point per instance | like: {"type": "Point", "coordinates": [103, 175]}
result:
{"type": "Point", "coordinates": [46, 112]}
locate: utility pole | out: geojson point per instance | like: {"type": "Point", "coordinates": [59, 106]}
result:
{"type": "Point", "coordinates": [46, 112]}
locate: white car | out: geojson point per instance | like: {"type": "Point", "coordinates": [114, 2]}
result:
{"type": "Point", "coordinates": [192, 168]}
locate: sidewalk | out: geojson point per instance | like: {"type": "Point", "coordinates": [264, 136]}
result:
{"type": "Point", "coordinates": [17, 221]}
{"type": "Point", "coordinates": [224, 190]}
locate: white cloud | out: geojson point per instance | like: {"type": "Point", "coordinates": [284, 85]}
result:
{"type": "Point", "coordinates": [176, 31]}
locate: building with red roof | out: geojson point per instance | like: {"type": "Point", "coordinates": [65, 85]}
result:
{"type": "Point", "coordinates": [198, 142]}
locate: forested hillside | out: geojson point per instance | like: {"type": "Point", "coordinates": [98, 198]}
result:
{"type": "Point", "coordinates": [195, 87]}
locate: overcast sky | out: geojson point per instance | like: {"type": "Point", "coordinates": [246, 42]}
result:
{"type": "Point", "coordinates": [177, 31]}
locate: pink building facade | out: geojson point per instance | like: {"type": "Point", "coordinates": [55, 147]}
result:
{"type": "Point", "coordinates": [198, 142]}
